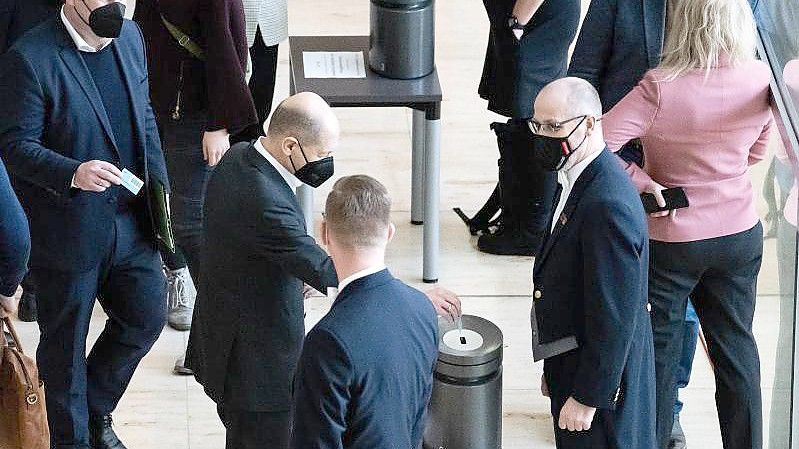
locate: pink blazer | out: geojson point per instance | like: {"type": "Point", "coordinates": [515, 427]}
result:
{"type": "Point", "coordinates": [702, 135]}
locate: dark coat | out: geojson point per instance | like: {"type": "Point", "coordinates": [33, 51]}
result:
{"type": "Point", "coordinates": [15, 239]}
{"type": "Point", "coordinates": [248, 323]}
{"type": "Point", "coordinates": [620, 40]}
{"type": "Point", "coordinates": [52, 119]}
{"type": "Point", "coordinates": [19, 16]}
{"type": "Point", "coordinates": [515, 71]}
{"type": "Point", "coordinates": [591, 302]}
{"type": "Point", "coordinates": [215, 86]}
{"type": "Point", "coordinates": [366, 372]}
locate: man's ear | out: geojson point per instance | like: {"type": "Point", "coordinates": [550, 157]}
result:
{"type": "Point", "coordinates": [287, 145]}
{"type": "Point", "coordinates": [590, 125]}
{"type": "Point", "coordinates": [323, 234]}
{"type": "Point", "coordinates": [391, 231]}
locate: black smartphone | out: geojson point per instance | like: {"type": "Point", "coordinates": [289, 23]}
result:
{"type": "Point", "coordinates": [675, 199]}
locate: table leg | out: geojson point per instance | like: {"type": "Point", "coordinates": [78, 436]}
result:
{"type": "Point", "coordinates": [305, 198]}
{"type": "Point", "coordinates": [417, 167]}
{"type": "Point", "coordinates": [432, 159]}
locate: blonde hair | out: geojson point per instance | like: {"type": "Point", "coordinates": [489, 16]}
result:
{"type": "Point", "coordinates": [700, 32]}
{"type": "Point", "coordinates": [358, 211]}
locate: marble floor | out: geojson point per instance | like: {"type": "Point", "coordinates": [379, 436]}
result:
{"type": "Point", "coordinates": [164, 411]}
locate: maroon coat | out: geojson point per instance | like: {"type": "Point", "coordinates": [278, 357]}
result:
{"type": "Point", "coordinates": [216, 86]}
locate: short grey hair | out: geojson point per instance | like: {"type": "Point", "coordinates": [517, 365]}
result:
{"type": "Point", "coordinates": [358, 211]}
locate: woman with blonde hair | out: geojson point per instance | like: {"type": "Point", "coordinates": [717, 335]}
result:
{"type": "Point", "coordinates": [703, 118]}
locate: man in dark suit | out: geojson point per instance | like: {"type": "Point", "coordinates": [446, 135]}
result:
{"type": "Point", "coordinates": [379, 332]}
{"type": "Point", "coordinates": [248, 321]}
{"type": "Point", "coordinates": [75, 113]}
{"type": "Point", "coordinates": [15, 245]}
{"type": "Point", "coordinates": [590, 319]}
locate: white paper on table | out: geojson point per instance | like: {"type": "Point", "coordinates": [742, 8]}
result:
{"type": "Point", "coordinates": [337, 64]}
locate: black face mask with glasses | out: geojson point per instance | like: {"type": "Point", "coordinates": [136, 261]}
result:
{"type": "Point", "coordinates": [313, 173]}
{"type": "Point", "coordinates": [553, 152]}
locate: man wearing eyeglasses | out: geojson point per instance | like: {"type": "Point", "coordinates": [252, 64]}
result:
{"type": "Point", "coordinates": [590, 319]}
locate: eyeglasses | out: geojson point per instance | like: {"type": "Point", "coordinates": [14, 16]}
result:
{"type": "Point", "coordinates": [551, 127]}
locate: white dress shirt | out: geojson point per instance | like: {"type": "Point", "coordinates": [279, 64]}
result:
{"type": "Point", "coordinates": [287, 176]}
{"type": "Point", "coordinates": [79, 41]}
{"type": "Point", "coordinates": [81, 44]}
{"type": "Point", "coordinates": [567, 178]}
{"type": "Point", "coordinates": [332, 292]}
{"type": "Point", "coordinates": [273, 18]}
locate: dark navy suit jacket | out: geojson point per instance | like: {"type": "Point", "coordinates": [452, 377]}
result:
{"type": "Point", "coordinates": [52, 119]}
{"type": "Point", "coordinates": [366, 371]}
{"type": "Point", "coordinates": [591, 290]}
{"type": "Point", "coordinates": [15, 240]}
{"type": "Point", "coordinates": [620, 40]}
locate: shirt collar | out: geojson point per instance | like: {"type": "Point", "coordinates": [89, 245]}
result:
{"type": "Point", "coordinates": [332, 292]}
{"type": "Point", "coordinates": [361, 274]}
{"type": "Point", "coordinates": [76, 37]}
{"type": "Point", "coordinates": [287, 176]}
{"type": "Point", "coordinates": [569, 176]}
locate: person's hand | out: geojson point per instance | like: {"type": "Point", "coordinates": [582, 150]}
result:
{"type": "Point", "coordinates": [8, 306]}
{"type": "Point", "coordinates": [657, 190]}
{"type": "Point", "coordinates": [576, 417]}
{"type": "Point", "coordinates": [447, 303]}
{"type": "Point", "coordinates": [96, 176]}
{"type": "Point", "coordinates": [518, 34]}
{"type": "Point", "coordinates": [544, 387]}
{"type": "Point", "coordinates": [215, 145]}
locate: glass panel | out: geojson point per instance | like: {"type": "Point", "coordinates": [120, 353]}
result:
{"type": "Point", "coordinates": [775, 318]}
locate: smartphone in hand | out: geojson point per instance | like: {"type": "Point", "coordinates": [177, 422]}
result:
{"type": "Point", "coordinates": [675, 199]}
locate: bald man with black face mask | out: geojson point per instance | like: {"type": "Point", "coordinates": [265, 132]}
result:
{"type": "Point", "coordinates": [590, 320]}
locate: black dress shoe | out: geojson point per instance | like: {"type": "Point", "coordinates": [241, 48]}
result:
{"type": "Point", "coordinates": [27, 307]}
{"type": "Point", "coordinates": [102, 433]}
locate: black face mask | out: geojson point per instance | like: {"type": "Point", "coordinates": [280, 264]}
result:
{"type": "Point", "coordinates": [553, 152]}
{"type": "Point", "coordinates": [106, 21]}
{"type": "Point", "coordinates": [313, 173]}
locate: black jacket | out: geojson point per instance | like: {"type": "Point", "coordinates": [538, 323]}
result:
{"type": "Point", "coordinates": [515, 71]}
{"type": "Point", "coordinates": [248, 323]}
{"type": "Point", "coordinates": [19, 16]}
{"type": "Point", "coordinates": [590, 302]}
{"type": "Point", "coordinates": [52, 119]}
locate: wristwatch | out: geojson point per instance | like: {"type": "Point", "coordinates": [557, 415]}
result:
{"type": "Point", "coordinates": [513, 23]}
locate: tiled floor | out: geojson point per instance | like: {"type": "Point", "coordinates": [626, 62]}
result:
{"type": "Point", "coordinates": [163, 411]}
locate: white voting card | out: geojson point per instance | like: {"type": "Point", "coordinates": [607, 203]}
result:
{"type": "Point", "coordinates": [336, 64]}
{"type": "Point", "coordinates": [131, 181]}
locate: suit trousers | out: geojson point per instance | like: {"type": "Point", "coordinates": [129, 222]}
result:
{"type": "Point", "coordinates": [188, 175]}
{"type": "Point", "coordinates": [720, 276]}
{"type": "Point", "coordinates": [255, 430]}
{"type": "Point", "coordinates": [131, 287]}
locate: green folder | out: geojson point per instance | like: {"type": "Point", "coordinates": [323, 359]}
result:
{"type": "Point", "coordinates": [162, 216]}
